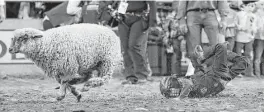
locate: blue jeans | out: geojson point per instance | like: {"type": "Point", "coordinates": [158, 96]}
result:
{"type": "Point", "coordinates": [248, 48]}
{"type": "Point", "coordinates": [134, 45]}
{"type": "Point", "coordinates": [258, 51]}
{"type": "Point", "coordinates": [174, 60]}
{"type": "Point", "coordinates": [195, 22]}
{"type": "Point", "coordinates": [231, 44]}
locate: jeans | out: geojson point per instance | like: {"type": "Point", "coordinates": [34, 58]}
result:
{"type": "Point", "coordinates": [195, 22]}
{"type": "Point", "coordinates": [248, 48]}
{"type": "Point", "coordinates": [134, 45]}
{"type": "Point", "coordinates": [174, 59]}
{"type": "Point", "coordinates": [258, 51]}
{"type": "Point", "coordinates": [208, 82]}
{"type": "Point", "coordinates": [231, 44]}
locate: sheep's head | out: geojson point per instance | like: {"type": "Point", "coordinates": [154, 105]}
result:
{"type": "Point", "coordinates": [22, 37]}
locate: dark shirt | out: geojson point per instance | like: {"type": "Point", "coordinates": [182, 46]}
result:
{"type": "Point", "coordinates": [137, 6]}
{"type": "Point", "coordinates": [58, 15]}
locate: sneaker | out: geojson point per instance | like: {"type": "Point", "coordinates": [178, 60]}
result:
{"type": "Point", "coordinates": [150, 79]}
{"type": "Point", "coordinates": [130, 80]}
{"type": "Point", "coordinates": [199, 53]}
{"type": "Point", "coordinates": [146, 80]}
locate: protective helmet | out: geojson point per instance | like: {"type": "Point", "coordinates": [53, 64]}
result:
{"type": "Point", "coordinates": [170, 87]}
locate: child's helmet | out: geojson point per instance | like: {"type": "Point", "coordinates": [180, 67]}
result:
{"type": "Point", "coordinates": [170, 87]}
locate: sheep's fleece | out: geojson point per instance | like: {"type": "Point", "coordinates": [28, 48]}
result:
{"type": "Point", "coordinates": [73, 49]}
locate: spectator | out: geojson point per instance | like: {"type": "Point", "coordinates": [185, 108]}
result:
{"type": "Point", "coordinates": [24, 10]}
{"type": "Point", "coordinates": [230, 31]}
{"type": "Point", "coordinates": [37, 10]}
{"type": "Point", "coordinates": [195, 15]}
{"type": "Point", "coordinates": [259, 39]}
{"type": "Point", "coordinates": [136, 20]}
{"type": "Point", "coordinates": [246, 23]}
{"type": "Point", "coordinates": [172, 38]}
{"type": "Point", "coordinates": [2, 11]}
{"type": "Point", "coordinates": [68, 12]}
{"type": "Point", "coordinates": [91, 12]}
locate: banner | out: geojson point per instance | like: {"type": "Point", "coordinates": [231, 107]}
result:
{"type": "Point", "coordinates": [5, 56]}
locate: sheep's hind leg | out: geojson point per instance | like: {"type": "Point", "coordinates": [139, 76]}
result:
{"type": "Point", "coordinates": [105, 72]}
{"type": "Point", "coordinates": [75, 92]}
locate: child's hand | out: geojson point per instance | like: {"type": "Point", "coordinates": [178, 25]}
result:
{"type": "Point", "coordinates": [177, 99]}
{"type": "Point", "coordinates": [182, 100]}
{"type": "Point", "coordinates": [181, 37]}
{"type": "Point", "coordinates": [165, 40]}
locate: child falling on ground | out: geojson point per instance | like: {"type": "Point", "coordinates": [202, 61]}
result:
{"type": "Point", "coordinates": [246, 24]}
{"type": "Point", "coordinates": [211, 79]}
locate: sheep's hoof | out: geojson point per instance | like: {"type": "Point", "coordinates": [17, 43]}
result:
{"type": "Point", "coordinates": [57, 87]}
{"type": "Point", "coordinates": [95, 82]}
{"type": "Point", "coordinates": [85, 88]}
{"type": "Point", "coordinates": [79, 97]}
{"type": "Point", "coordinates": [59, 98]}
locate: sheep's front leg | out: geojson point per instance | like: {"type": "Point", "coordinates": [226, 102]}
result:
{"type": "Point", "coordinates": [63, 87]}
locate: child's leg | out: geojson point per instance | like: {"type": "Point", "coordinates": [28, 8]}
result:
{"type": "Point", "coordinates": [247, 53]}
{"type": "Point", "coordinates": [239, 64]}
{"type": "Point", "coordinates": [258, 50]}
{"type": "Point", "coordinates": [239, 47]}
{"type": "Point", "coordinates": [219, 65]}
{"type": "Point", "coordinates": [231, 41]}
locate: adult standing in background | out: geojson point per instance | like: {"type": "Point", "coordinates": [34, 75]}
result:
{"type": "Point", "coordinates": [2, 11]}
{"type": "Point", "coordinates": [138, 17]}
{"type": "Point", "coordinates": [195, 15]}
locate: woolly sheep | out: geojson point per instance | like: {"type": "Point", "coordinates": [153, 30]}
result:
{"type": "Point", "coordinates": [66, 51]}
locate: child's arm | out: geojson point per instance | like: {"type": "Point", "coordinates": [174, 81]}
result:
{"type": "Point", "coordinates": [187, 88]}
{"type": "Point", "coordinates": [238, 24]}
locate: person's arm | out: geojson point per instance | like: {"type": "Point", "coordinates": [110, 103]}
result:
{"type": "Point", "coordinates": [181, 11]}
{"type": "Point", "coordinates": [152, 13]}
{"type": "Point", "coordinates": [72, 8]}
{"type": "Point", "coordinates": [223, 9]}
{"type": "Point", "coordinates": [256, 26]}
{"type": "Point", "coordinates": [2, 11]}
{"type": "Point", "coordinates": [187, 88]}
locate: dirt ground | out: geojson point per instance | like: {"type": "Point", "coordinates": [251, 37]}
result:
{"type": "Point", "coordinates": [36, 93]}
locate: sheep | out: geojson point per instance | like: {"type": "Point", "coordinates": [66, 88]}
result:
{"type": "Point", "coordinates": [69, 51]}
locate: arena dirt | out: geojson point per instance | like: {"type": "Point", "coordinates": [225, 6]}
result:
{"type": "Point", "coordinates": [37, 94]}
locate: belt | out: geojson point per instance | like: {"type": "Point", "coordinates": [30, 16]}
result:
{"type": "Point", "coordinates": [201, 10]}
{"type": "Point", "coordinates": [139, 14]}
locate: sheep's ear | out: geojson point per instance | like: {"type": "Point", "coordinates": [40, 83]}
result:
{"type": "Point", "coordinates": [26, 36]}
{"type": "Point", "coordinates": [38, 36]}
